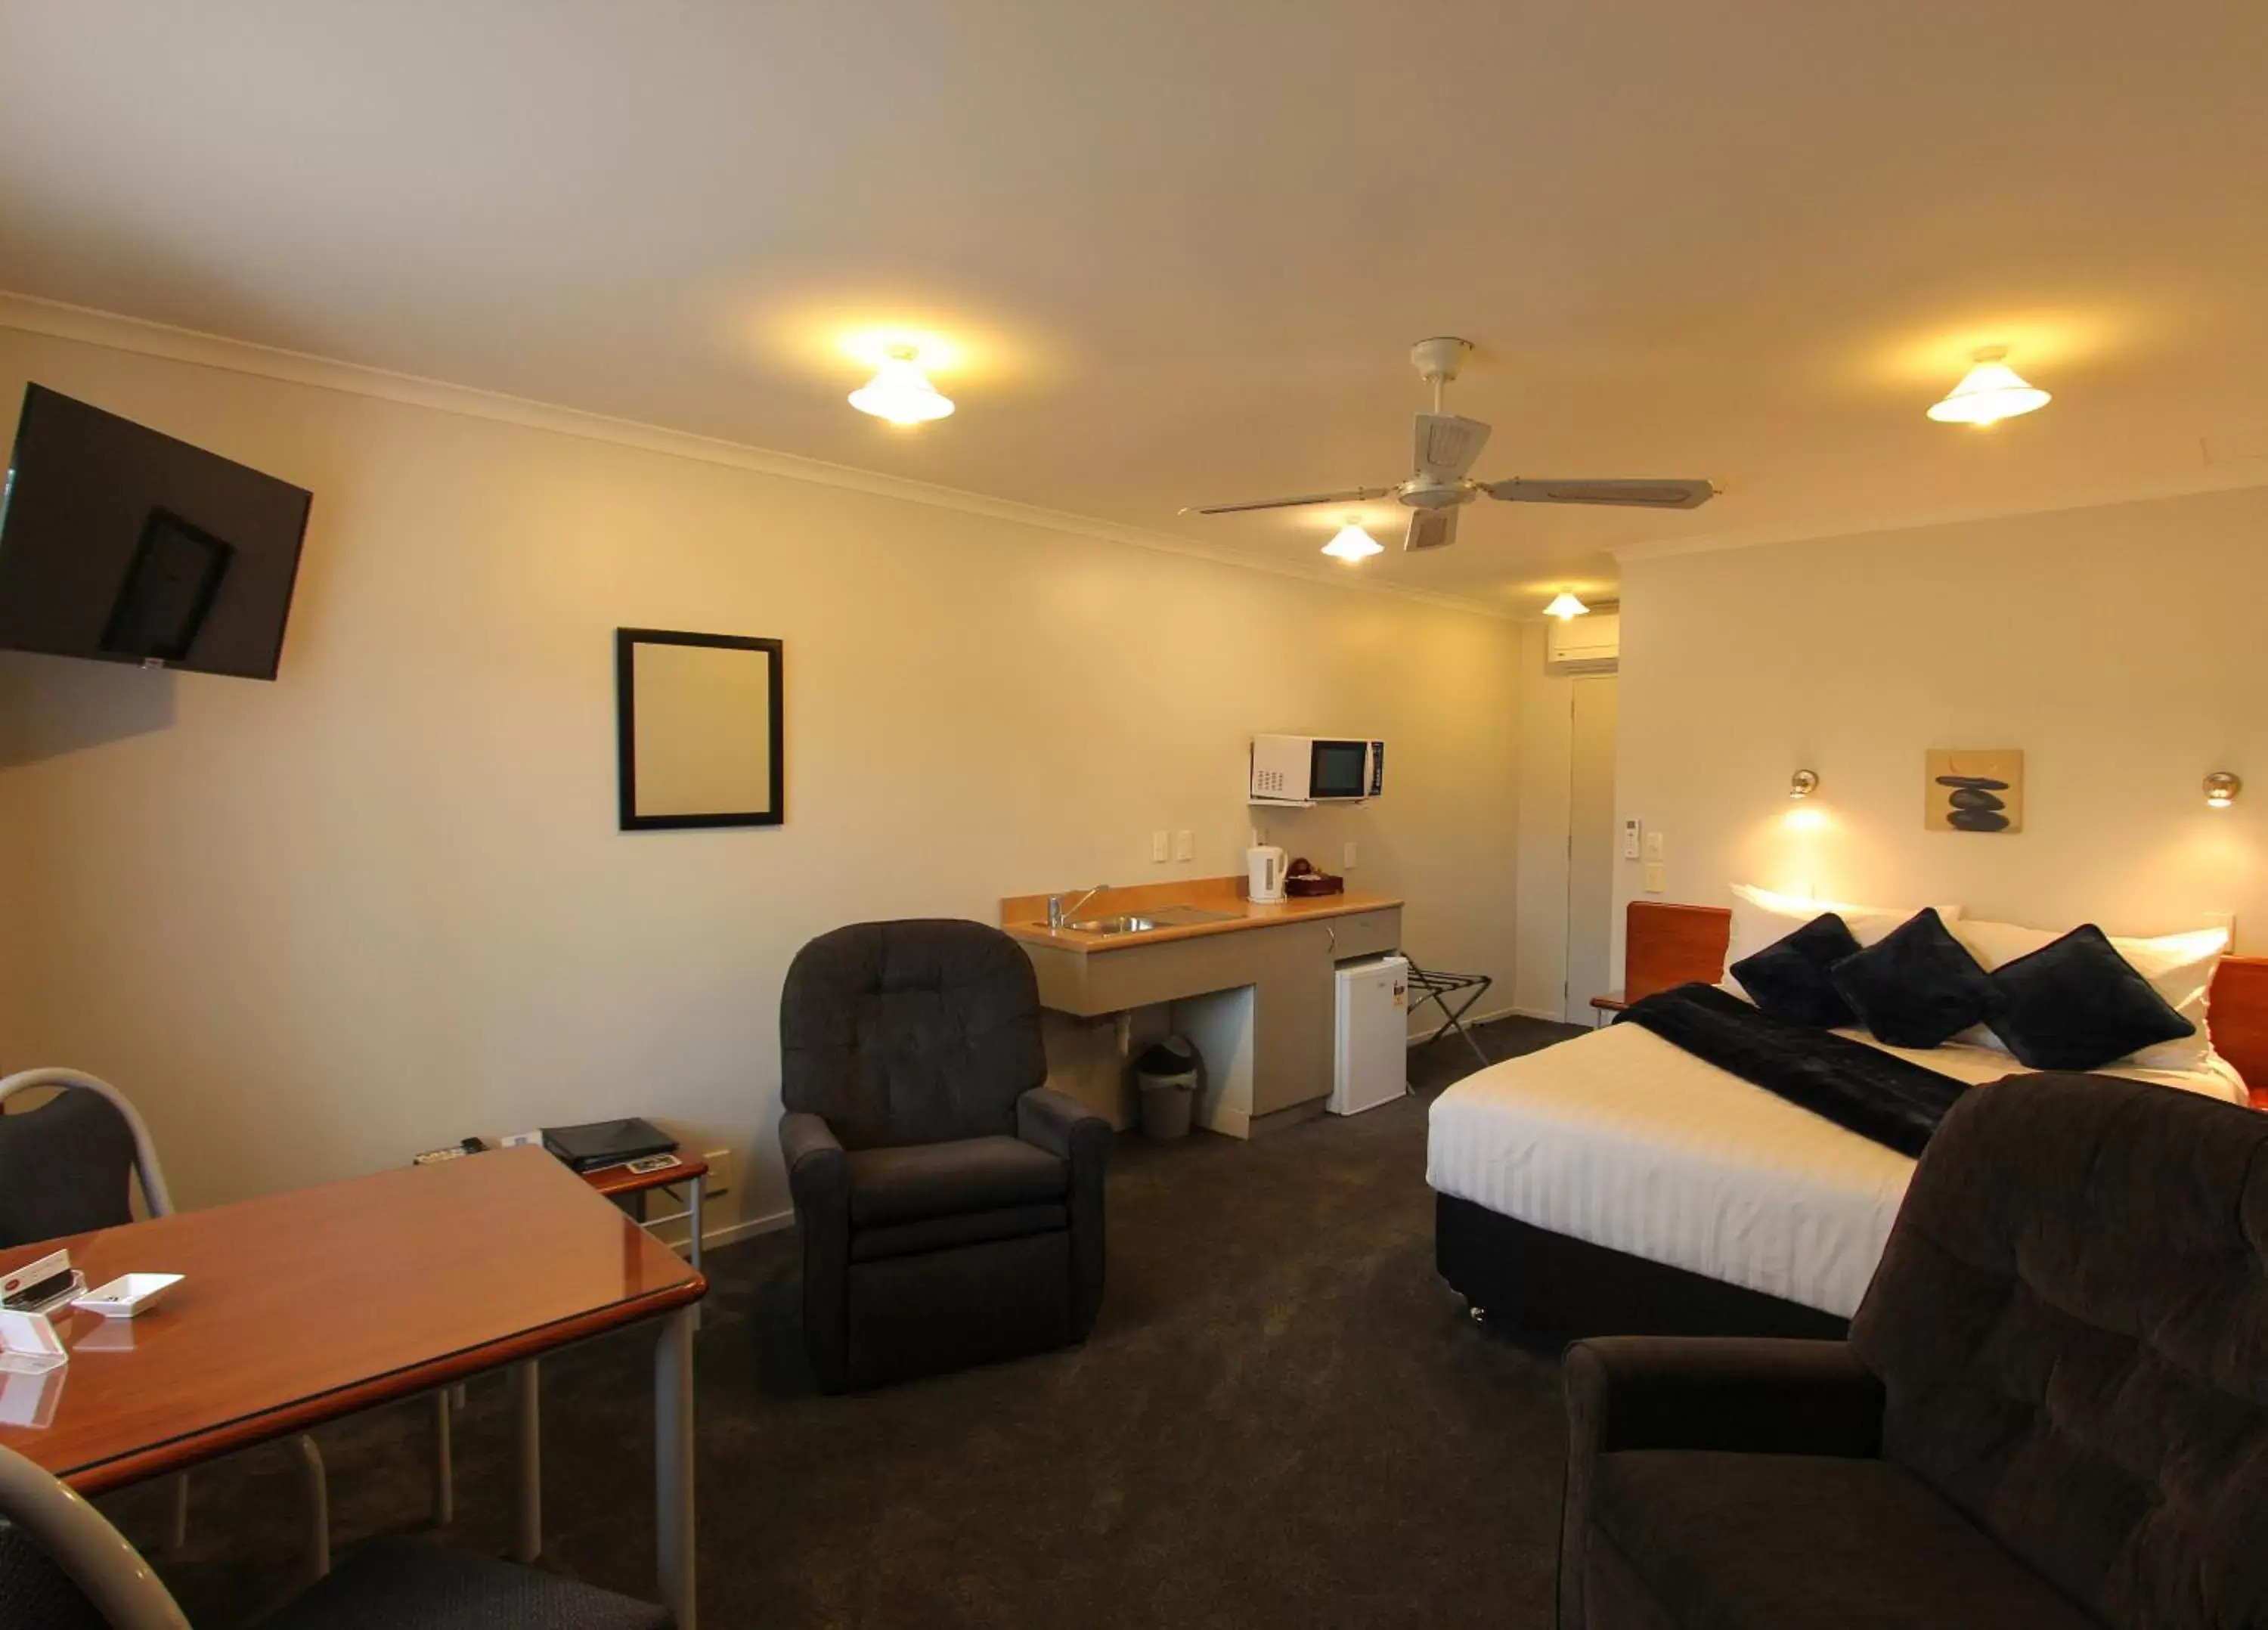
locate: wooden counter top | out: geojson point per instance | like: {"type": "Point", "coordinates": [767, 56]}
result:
{"type": "Point", "coordinates": [1025, 917]}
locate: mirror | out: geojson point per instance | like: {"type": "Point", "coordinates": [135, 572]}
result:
{"type": "Point", "coordinates": [698, 721]}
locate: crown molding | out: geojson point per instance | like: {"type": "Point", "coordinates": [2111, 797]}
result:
{"type": "Point", "coordinates": [2188, 484]}
{"type": "Point", "coordinates": [57, 320]}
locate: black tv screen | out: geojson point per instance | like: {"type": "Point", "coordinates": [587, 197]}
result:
{"type": "Point", "coordinates": [124, 545]}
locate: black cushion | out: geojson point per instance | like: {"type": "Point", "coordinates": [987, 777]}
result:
{"type": "Point", "coordinates": [969, 1228]}
{"type": "Point", "coordinates": [34, 1592]}
{"type": "Point", "coordinates": [1789, 980]}
{"type": "Point", "coordinates": [407, 1584]}
{"type": "Point", "coordinates": [1796, 1542]}
{"type": "Point", "coordinates": [2078, 1005]}
{"type": "Point", "coordinates": [1917, 987]}
{"type": "Point", "coordinates": [2071, 1324]}
{"type": "Point", "coordinates": [910, 1032]}
{"type": "Point", "coordinates": [928, 1180]}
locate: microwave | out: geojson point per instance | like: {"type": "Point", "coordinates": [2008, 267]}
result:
{"type": "Point", "coordinates": [1316, 770]}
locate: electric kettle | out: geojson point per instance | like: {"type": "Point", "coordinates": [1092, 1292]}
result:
{"type": "Point", "coordinates": [1263, 871]}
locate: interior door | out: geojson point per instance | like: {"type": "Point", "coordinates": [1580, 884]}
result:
{"type": "Point", "coordinates": [1590, 846]}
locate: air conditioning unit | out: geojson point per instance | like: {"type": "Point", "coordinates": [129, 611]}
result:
{"type": "Point", "coordinates": [1586, 645]}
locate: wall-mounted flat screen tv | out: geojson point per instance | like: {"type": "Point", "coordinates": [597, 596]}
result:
{"type": "Point", "coordinates": [124, 545]}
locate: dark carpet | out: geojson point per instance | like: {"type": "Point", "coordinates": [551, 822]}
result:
{"type": "Point", "coordinates": [1282, 1418]}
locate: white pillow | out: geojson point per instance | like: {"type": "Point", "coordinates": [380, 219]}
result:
{"type": "Point", "coordinates": [1761, 917]}
{"type": "Point", "coordinates": [2179, 967]}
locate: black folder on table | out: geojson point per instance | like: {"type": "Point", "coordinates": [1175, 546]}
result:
{"type": "Point", "coordinates": [607, 1143]}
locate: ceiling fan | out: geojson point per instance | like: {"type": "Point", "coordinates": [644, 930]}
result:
{"type": "Point", "coordinates": [1446, 448]}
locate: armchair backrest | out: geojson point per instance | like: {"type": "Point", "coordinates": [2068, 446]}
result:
{"type": "Point", "coordinates": [910, 1032]}
{"type": "Point", "coordinates": [2071, 1324]}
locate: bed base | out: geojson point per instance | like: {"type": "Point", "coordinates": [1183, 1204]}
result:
{"type": "Point", "coordinates": [1546, 1290]}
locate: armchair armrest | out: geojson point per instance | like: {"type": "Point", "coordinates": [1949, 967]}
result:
{"type": "Point", "coordinates": [817, 1174]}
{"type": "Point", "coordinates": [1757, 1394]}
{"type": "Point", "coordinates": [1064, 1127]}
{"type": "Point", "coordinates": [1074, 1134]}
{"type": "Point", "coordinates": [819, 1183]}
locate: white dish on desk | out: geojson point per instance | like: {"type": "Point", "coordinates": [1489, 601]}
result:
{"type": "Point", "coordinates": [128, 1295]}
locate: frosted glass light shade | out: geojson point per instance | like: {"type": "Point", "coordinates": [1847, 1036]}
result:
{"type": "Point", "coordinates": [901, 392]}
{"type": "Point", "coordinates": [1565, 607]}
{"type": "Point", "coordinates": [1988, 392]}
{"type": "Point", "coordinates": [1352, 542]}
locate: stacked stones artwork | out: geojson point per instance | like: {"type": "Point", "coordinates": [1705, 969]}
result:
{"type": "Point", "coordinates": [1974, 790]}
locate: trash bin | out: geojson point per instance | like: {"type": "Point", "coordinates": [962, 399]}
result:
{"type": "Point", "coordinates": [1167, 1075]}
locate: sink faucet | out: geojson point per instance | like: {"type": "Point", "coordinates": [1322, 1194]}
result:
{"type": "Point", "coordinates": [1058, 913]}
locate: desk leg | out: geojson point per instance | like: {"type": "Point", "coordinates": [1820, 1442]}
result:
{"type": "Point", "coordinates": [444, 1475]}
{"type": "Point", "coordinates": [318, 1489]}
{"type": "Point", "coordinates": [673, 1463]}
{"type": "Point", "coordinates": [694, 1223]}
{"type": "Point", "coordinates": [528, 1446]}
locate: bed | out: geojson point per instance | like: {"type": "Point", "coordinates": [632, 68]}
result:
{"type": "Point", "coordinates": [1615, 1183]}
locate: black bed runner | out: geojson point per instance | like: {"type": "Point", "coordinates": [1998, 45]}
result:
{"type": "Point", "coordinates": [1858, 1087]}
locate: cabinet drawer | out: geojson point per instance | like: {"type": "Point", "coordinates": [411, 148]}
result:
{"type": "Point", "coordinates": [1366, 933]}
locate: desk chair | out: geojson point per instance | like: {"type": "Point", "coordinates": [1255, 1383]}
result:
{"type": "Point", "coordinates": [69, 1167]}
{"type": "Point", "coordinates": [63, 1567]}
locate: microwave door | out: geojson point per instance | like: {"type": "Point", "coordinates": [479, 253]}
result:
{"type": "Point", "coordinates": [1338, 770]}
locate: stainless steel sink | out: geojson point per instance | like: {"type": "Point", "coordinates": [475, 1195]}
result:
{"type": "Point", "coordinates": [1114, 924]}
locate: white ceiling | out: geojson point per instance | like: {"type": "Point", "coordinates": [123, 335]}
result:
{"type": "Point", "coordinates": [1184, 245]}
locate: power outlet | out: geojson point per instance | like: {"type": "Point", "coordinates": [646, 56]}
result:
{"type": "Point", "coordinates": [1346, 857]}
{"type": "Point", "coordinates": [1157, 841]}
{"type": "Point", "coordinates": [1657, 877]}
{"type": "Point", "coordinates": [724, 1173]}
{"type": "Point", "coordinates": [1185, 844]}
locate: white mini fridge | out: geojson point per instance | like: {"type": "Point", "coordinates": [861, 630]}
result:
{"type": "Point", "coordinates": [1370, 1062]}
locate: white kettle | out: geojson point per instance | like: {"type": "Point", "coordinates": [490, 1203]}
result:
{"type": "Point", "coordinates": [1263, 871]}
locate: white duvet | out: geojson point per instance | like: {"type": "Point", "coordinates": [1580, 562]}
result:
{"type": "Point", "coordinates": [1623, 1140]}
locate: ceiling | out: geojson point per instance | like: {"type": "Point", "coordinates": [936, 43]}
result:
{"type": "Point", "coordinates": [1182, 248]}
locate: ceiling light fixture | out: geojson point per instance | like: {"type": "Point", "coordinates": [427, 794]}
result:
{"type": "Point", "coordinates": [1803, 784]}
{"type": "Point", "coordinates": [1352, 542]}
{"type": "Point", "coordinates": [1988, 392]}
{"type": "Point", "coordinates": [1566, 607]}
{"type": "Point", "coordinates": [899, 391]}
{"type": "Point", "coordinates": [2221, 790]}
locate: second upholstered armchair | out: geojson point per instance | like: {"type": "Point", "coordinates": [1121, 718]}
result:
{"type": "Point", "coordinates": [949, 1204]}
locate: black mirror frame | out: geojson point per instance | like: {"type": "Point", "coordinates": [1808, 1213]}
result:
{"type": "Point", "coordinates": [626, 641]}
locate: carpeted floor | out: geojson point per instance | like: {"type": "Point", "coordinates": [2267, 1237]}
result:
{"type": "Point", "coordinates": [1282, 1419]}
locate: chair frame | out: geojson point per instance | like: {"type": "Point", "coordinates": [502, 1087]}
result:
{"type": "Point", "coordinates": [93, 1555]}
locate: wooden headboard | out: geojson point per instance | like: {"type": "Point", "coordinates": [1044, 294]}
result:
{"type": "Point", "coordinates": [1666, 944]}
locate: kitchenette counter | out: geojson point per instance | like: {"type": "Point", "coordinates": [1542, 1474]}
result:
{"type": "Point", "coordinates": [1252, 985]}
{"type": "Point", "coordinates": [1218, 905]}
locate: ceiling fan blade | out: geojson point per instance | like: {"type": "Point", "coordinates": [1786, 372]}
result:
{"type": "Point", "coordinates": [1430, 528]}
{"type": "Point", "coordinates": [1447, 444]}
{"type": "Point", "coordinates": [1667, 494]}
{"type": "Point", "coordinates": [1353, 495]}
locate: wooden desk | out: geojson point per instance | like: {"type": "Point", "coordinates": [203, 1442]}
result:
{"type": "Point", "coordinates": [302, 1307]}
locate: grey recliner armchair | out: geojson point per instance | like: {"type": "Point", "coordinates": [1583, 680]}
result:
{"type": "Point", "coordinates": [2052, 1412]}
{"type": "Point", "coordinates": [949, 1204]}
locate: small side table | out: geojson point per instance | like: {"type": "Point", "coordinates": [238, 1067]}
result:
{"type": "Point", "coordinates": [1602, 1006]}
{"type": "Point", "coordinates": [615, 1182]}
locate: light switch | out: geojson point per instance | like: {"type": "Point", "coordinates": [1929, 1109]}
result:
{"type": "Point", "coordinates": [1657, 877]}
{"type": "Point", "coordinates": [1157, 845]}
{"type": "Point", "coordinates": [1185, 844]}
{"type": "Point", "coordinates": [1653, 845]}
{"type": "Point", "coordinates": [1346, 857]}
{"type": "Point", "coordinates": [1631, 830]}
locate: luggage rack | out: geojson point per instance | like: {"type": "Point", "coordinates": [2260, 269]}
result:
{"type": "Point", "coordinates": [1438, 988]}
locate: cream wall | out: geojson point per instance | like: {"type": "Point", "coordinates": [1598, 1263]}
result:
{"type": "Point", "coordinates": [316, 925]}
{"type": "Point", "coordinates": [2119, 647]}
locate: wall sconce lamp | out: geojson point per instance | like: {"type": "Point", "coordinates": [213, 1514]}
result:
{"type": "Point", "coordinates": [1803, 784]}
{"type": "Point", "coordinates": [2221, 790]}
